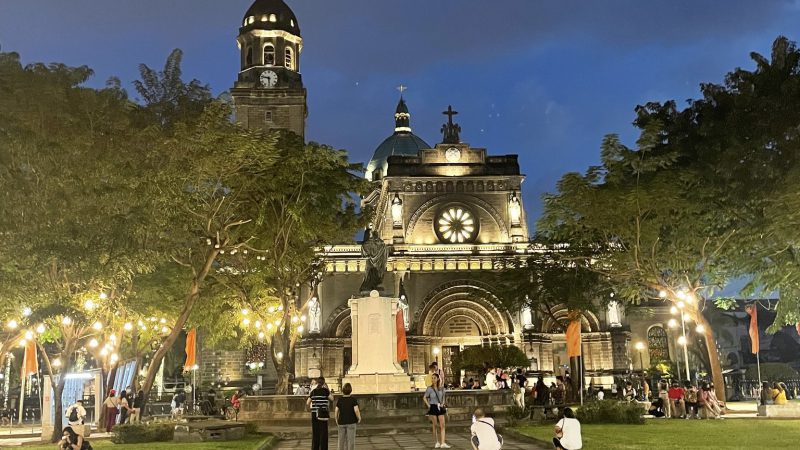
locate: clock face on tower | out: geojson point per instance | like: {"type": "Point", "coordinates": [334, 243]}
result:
{"type": "Point", "coordinates": [452, 155]}
{"type": "Point", "coordinates": [268, 79]}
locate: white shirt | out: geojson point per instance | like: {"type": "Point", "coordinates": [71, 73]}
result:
{"type": "Point", "coordinates": [81, 413]}
{"type": "Point", "coordinates": [571, 430]}
{"type": "Point", "coordinates": [487, 436]}
{"type": "Point", "coordinates": [600, 395]}
{"type": "Point", "coordinates": [491, 380]}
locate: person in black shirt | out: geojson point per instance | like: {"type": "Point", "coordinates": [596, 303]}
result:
{"type": "Point", "coordinates": [320, 413]}
{"type": "Point", "coordinates": [347, 417]}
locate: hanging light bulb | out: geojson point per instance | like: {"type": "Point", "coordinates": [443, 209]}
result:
{"type": "Point", "coordinates": [128, 326]}
{"type": "Point", "coordinates": [29, 335]}
{"type": "Point", "coordinates": [700, 329]}
{"type": "Point", "coordinates": [114, 358]}
{"type": "Point", "coordinates": [302, 318]}
{"type": "Point", "coordinates": [103, 351]}
{"type": "Point", "coordinates": [12, 324]}
{"type": "Point", "coordinates": [97, 326]}
{"type": "Point", "coordinates": [89, 304]}
{"type": "Point", "coordinates": [294, 319]}
{"type": "Point", "coordinates": [23, 342]}
{"type": "Point", "coordinates": [66, 321]}
{"type": "Point", "coordinates": [103, 296]}
{"type": "Point", "coordinates": [245, 321]}
{"type": "Point", "coordinates": [300, 329]}
{"type": "Point", "coordinates": [57, 362]}
{"type": "Point", "coordinates": [258, 324]}
{"type": "Point", "coordinates": [93, 343]}
{"type": "Point", "coordinates": [269, 326]}
{"type": "Point", "coordinates": [245, 312]}
{"type": "Point", "coordinates": [40, 328]}
{"type": "Point", "coordinates": [682, 340]}
{"type": "Point", "coordinates": [164, 330]}
{"type": "Point", "coordinates": [674, 310]}
{"type": "Point", "coordinates": [26, 311]}
{"type": "Point", "coordinates": [261, 335]}
{"type": "Point", "coordinates": [163, 320]}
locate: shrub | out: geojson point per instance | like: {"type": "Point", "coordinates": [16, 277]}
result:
{"type": "Point", "coordinates": [610, 411]}
{"type": "Point", "coordinates": [250, 428]}
{"type": "Point", "coordinates": [135, 433]}
{"type": "Point", "coordinates": [476, 358]}
{"type": "Point", "coordinates": [516, 414]}
{"type": "Point", "coordinates": [771, 372]}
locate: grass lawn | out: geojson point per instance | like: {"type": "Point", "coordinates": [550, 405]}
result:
{"type": "Point", "coordinates": [683, 434]}
{"type": "Point", "coordinates": [250, 443]}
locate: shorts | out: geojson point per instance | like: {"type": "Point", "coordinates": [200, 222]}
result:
{"type": "Point", "coordinates": [435, 411]}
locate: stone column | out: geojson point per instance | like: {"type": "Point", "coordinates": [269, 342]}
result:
{"type": "Point", "coordinates": [354, 333]}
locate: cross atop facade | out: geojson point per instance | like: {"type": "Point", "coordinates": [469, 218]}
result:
{"type": "Point", "coordinates": [402, 88]}
{"type": "Point", "coordinates": [450, 113]}
{"type": "Point", "coordinates": [450, 130]}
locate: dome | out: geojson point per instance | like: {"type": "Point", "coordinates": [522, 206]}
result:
{"type": "Point", "coordinates": [402, 142]}
{"type": "Point", "coordinates": [405, 143]}
{"type": "Point", "coordinates": [270, 15]}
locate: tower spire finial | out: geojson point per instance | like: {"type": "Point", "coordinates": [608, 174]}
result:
{"type": "Point", "coordinates": [402, 119]}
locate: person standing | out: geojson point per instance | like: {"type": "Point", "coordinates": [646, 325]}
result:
{"type": "Point", "coordinates": [491, 380]}
{"type": "Point", "coordinates": [138, 404]}
{"type": "Point", "coordinates": [519, 388]}
{"type": "Point", "coordinates": [319, 400]}
{"type": "Point", "coordinates": [559, 393]}
{"type": "Point", "coordinates": [111, 406]}
{"type": "Point", "coordinates": [484, 435]}
{"type": "Point", "coordinates": [568, 432]}
{"type": "Point", "coordinates": [348, 416]}
{"type": "Point", "coordinates": [124, 407]}
{"type": "Point", "coordinates": [541, 393]}
{"type": "Point", "coordinates": [434, 400]}
{"type": "Point", "coordinates": [76, 414]}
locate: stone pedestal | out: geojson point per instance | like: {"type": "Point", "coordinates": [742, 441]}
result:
{"type": "Point", "coordinates": [375, 368]}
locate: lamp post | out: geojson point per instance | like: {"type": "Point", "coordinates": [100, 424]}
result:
{"type": "Point", "coordinates": [640, 346]}
{"type": "Point", "coordinates": [682, 339]}
{"type": "Point", "coordinates": [672, 324]}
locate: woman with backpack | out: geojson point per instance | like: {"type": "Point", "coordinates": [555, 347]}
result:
{"type": "Point", "coordinates": [319, 401]}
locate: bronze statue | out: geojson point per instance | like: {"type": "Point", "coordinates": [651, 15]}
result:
{"type": "Point", "coordinates": [377, 253]}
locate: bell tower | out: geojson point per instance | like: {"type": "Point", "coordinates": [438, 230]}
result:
{"type": "Point", "coordinates": [269, 92]}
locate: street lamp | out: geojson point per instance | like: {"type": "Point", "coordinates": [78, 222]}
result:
{"type": "Point", "coordinates": [640, 346]}
{"type": "Point", "coordinates": [682, 339]}
{"type": "Point", "coordinates": [436, 351]}
{"type": "Point", "coordinates": [672, 324]}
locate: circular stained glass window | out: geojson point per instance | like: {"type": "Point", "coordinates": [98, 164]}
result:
{"type": "Point", "coordinates": [456, 225]}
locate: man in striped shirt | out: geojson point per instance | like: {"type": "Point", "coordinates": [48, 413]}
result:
{"type": "Point", "coordinates": [319, 400]}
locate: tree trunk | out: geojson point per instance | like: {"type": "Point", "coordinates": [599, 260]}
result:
{"type": "Point", "coordinates": [713, 357]}
{"type": "Point", "coordinates": [177, 328]}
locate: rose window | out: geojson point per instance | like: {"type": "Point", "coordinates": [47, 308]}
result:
{"type": "Point", "coordinates": [456, 225]}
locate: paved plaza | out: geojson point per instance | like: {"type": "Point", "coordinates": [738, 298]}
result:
{"type": "Point", "coordinates": [406, 441]}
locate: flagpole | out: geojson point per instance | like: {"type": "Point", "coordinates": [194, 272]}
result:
{"type": "Point", "coordinates": [22, 386]}
{"type": "Point", "coordinates": [580, 363]}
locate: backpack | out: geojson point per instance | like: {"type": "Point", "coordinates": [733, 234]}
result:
{"type": "Point", "coordinates": [515, 388]}
{"type": "Point", "coordinates": [73, 415]}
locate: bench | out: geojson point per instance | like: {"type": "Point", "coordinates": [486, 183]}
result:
{"type": "Point", "coordinates": [791, 409]}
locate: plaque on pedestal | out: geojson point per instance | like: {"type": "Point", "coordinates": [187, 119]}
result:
{"type": "Point", "coordinates": [375, 368]}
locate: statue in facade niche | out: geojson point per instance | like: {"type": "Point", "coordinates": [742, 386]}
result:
{"type": "Point", "coordinates": [377, 253]}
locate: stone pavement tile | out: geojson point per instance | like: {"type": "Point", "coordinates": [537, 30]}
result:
{"type": "Point", "coordinates": [417, 441]}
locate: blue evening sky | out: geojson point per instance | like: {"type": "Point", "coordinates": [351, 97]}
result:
{"type": "Point", "coordinates": [542, 79]}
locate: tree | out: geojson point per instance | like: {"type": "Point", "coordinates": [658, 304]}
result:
{"type": "Point", "coordinates": [309, 203]}
{"type": "Point", "coordinates": [75, 209]}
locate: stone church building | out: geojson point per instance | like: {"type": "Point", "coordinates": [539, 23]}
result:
{"type": "Point", "coordinates": [448, 211]}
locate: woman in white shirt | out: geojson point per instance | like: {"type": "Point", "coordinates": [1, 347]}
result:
{"type": "Point", "coordinates": [568, 432]}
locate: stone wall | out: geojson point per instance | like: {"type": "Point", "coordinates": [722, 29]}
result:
{"type": "Point", "coordinates": [290, 410]}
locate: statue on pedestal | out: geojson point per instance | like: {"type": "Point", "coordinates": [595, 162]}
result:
{"type": "Point", "coordinates": [377, 253]}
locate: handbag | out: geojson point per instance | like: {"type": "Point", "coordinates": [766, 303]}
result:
{"type": "Point", "coordinates": [442, 408]}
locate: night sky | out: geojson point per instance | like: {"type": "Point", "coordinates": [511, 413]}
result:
{"type": "Point", "coordinates": [545, 80]}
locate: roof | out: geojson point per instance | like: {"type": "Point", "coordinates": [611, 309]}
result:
{"type": "Point", "coordinates": [271, 15]}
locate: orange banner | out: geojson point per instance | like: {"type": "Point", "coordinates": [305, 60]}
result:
{"type": "Point", "coordinates": [752, 310]}
{"type": "Point", "coordinates": [574, 338]}
{"type": "Point", "coordinates": [31, 364]}
{"type": "Point", "coordinates": [402, 347]}
{"type": "Point", "coordinates": [191, 349]}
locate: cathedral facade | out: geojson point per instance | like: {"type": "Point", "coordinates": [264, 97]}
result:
{"type": "Point", "coordinates": [448, 212]}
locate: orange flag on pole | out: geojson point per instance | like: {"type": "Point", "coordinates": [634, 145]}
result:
{"type": "Point", "coordinates": [31, 363]}
{"type": "Point", "coordinates": [574, 338]}
{"type": "Point", "coordinates": [402, 347]}
{"type": "Point", "coordinates": [191, 349]}
{"type": "Point", "coordinates": [752, 310]}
